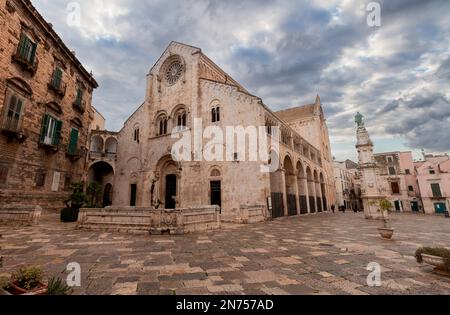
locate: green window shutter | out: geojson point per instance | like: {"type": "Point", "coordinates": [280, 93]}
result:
{"type": "Point", "coordinates": [73, 144]}
{"type": "Point", "coordinates": [33, 51]}
{"type": "Point", "coordinates": [57, 76]}
{"type": "Point", "coordinates": [44, 128]}
{"type": "Point", "coordinates": [436, 189]}
{"type": "Point", "coordinates": [21, 49]}
{"type": "Point", "coordinates": [57, 134]}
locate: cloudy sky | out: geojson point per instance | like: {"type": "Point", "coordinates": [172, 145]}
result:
{"type": "Point", "coordinates": [286, 52]}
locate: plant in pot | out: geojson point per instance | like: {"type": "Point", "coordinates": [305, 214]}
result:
{"type": "Point", "coordinates": [437, 257]}
{"type": "Point", "coordinates": [93, 191]}
{"type": "Point", "coordinates": [386, 231]}
{"type": "Point", "coordinates": [74, 204]}
{"type": "Point", "coordinates": [27, 280]}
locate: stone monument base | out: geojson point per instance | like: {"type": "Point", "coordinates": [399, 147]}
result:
{"type": "Point", "coordinates": [372, 208]}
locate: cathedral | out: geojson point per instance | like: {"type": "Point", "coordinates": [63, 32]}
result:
{"type": "Point", "coordinates": [190, 99]}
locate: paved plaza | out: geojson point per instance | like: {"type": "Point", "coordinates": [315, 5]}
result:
{"type": "Point", "coordinates": [321, 254]}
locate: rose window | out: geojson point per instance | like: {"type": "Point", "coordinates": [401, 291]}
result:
{"type": "Point", "coordinates": [174, 73]}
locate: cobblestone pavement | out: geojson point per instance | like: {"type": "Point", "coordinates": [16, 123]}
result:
{"type": "Point", "coordinates": [322, 254]}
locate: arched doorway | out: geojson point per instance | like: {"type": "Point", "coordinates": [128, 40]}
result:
{"type": "Point", "coordinates": [102, 173]}
{"type": "Point", "coordinates": [216, 188]}
{"type": "Point", "coordinates": [276, 186]}
{"type": "Point", "coordinates": [169, 182]}
{"type": "Point", "coordinates": [291, 188]}
{"type": "Point", "coordinates": [318, 192]}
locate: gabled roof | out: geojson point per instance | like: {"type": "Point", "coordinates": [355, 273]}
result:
{"type": "Point", "coordinates": [304, 111]}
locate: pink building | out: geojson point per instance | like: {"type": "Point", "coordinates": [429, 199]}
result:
{"type": "Point", "coordinates": [433, 177]}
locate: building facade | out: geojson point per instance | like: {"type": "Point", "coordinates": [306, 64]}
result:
{"type": "Point", "coordinates": [348, 190]}
{"type": "Point", "coordinates": [45, 110]}
{"type": "Point", "coordinates": [399, 181]}
{"type": "Point", "coordinates": [433, 179]}
{"type": "Point", "coordinates": [189, 98]}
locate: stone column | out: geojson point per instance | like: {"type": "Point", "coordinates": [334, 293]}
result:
{"type": "Point", "coordinates": [305, 182]}
{"type": "Point", "coordinates": [319, 196]}
{"type": "Point", "coordinates": [283, 182]}
{"type": "Point", "coordinates": [297, 195]}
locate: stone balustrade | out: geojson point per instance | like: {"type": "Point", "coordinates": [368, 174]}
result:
{"type": "Point", "coordinates": [148, 220]}
{"type": "Point", "coordinates": [25, 215]}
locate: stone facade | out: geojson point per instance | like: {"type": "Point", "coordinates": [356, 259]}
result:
{"type": "Point", "coordinates": [45, 110]}
{"type": "Point", "coordinates": [348, 188]}
{"type": "Point", "coordinates": [433, 178]}
{"type": "Point", "coordinates": [185, 86]}
{"type": "Point", "coordinates": [398, 178]}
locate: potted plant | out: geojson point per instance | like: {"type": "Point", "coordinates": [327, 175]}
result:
{"type": "Point", "coordinates": [386, 231]}
{"type": "Point", "coordinates": [56, 286]}
{"type": "Point", "coordinates": [74, 204]}
{"type": "Point", "coordinates": [93, 191]}
{"type": "Point", "coordinates": [26, 281]}
{"type": "Point", "coordinates": [437, 257]}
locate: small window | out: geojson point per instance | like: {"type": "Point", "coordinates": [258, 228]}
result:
{"type": "Point", "coordinates": [3, 174]}
{"type": "Point", "coordinates": [392, 171]}
{"type": "Point", "coordinates": [73, 142]}
{"type": "Point", "coordinates": [236, 156]}
{"type": "Point", "coordinates": [50, 130]}
{"type": "Point", "coordinates": [79, 104]}
{"type": "Point", "coordinates": [14, 113]}
{"type": "Point", "coordinates": [136, 135]}
{"type": "Point", "coordinates": [215, 113]}
{"type": "Point", "coordinates": [390, 159]}
{"type": "Point", "coordinates": [40, 179]}
{"type": "Point", "coordinates": [411, 188]}
{"type": "Point", "coordinates": [395, 188]}
{"type": "Point", "coordinates": [215, 173]}
{"type": "Point", "coordinates": [67, 182]}
{"type": "Point", "coordinates": [408, 172]}
{"type": "Point", "coordinates": [162, 126]}
{"type": "Point", "coordinates": [432, 172]}
{"type": "Point", "coordinates": [436, 190]}
{"type": "Point", "coordinates": [181, 121]}
{"type": "Point", "coordinates": [27, 49]}
{"type": "Point", "coordinates": [57, 78]}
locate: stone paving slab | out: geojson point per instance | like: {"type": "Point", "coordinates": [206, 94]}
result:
{"type": "Point", "coordinates": [319, 254]}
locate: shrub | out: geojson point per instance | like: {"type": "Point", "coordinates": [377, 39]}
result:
{"type": "Point", "coordinates": [58, 287]}
{"type": "Point", "coordinates": [438, 252]}
{"type": "Point", "coordinates": [28, 278]}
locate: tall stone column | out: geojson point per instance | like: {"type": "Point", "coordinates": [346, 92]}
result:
{"type": "Point", "coordinates": [371, 188]}
{"type": "Point", "coordinates": [319, 197]}
{"type": "Point", "coordinates": [297, 195]}
{"type": "Point", "coordinates": [283, 182]}
{"type": "Point", "coordinates": [305, 182]}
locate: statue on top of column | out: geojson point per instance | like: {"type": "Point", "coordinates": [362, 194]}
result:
{"type": "Point", "coordinates": [359, 120]}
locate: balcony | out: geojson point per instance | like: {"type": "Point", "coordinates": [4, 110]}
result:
{"type": "Point", "coordinates": [76, 155]}
{"type": "Point", "coordinates": [58, 89]}
{"type": "Point", "coordinates": [11, 128]}
{"type": "Point", "coordinates": [25, 63]}
{"type": "Point", "coordinates": [79, 106]}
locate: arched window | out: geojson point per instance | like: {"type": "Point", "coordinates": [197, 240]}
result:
{"type": "Point", "coordinates": [181, 120]}
{"type": "Point", "coordinates": [215, 173]}
{"type": "Point", "coordinates": [162, 126]}
{"type": "Point", "coordinates": [215, 114]}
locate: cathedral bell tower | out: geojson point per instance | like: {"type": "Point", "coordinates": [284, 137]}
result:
{"type": "Point", "coordinates": [371, 189]}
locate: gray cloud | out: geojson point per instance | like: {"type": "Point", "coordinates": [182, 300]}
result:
{"type": "Point", "coordinates": [284, 51]}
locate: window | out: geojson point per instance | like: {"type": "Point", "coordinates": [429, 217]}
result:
{"type": "Point", "coordinates": [408, 172]}
{"type": "Point", "coordinates": [395, 188]}
{"type": "Point", "coordinates": [181, 120]}
{"type": "Point", "coordinates": [79, 100]}
{"type": "Point", "coordinates": [40, 179]}
{"type": "Point", "coordinates": [3, 174]}
{"type": "Point", "coordinates": [215, 173]}
{"type": "Point", "coordinates": [436, 190]}
{"type": "Point", "coordinates": [67, 182]}
{"type": "Point", "coordinates": [14, 113]}
{"type": "Point", "coordinates": [73, 142]}
{"type": "Point", "coordinates": [411, 188]}
{"type": "Point", "coordinates": [215, 113]}
{"type": "Point", "coordinates": [432, 172]}
{"type": "Point", "coordinates": [392, 170]}
{"type": "Point", "coordinates": [136, 135]}
{"type": "Point", "coordinates": [390, 159]}
{"type": "Point", "coordinates": [57, 78]}
{"type": "Point", "coordinates": [162, 126]}
{"type": "Point", "coordinates": [51, 131]}
{"type": "Point", "coordinates": [27, 49]}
